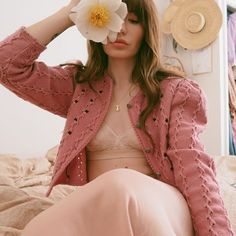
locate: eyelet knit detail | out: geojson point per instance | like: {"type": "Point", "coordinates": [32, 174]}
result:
{"type": "Point", "coordinates": [178, 158]}
{"type": "Point", "coordinates": [34, 81]}
{"type": "Point", "coordinates": [85, 135]}
{"type": "Point", "coordinates": [190, 164]}
{"type": "Point", "coordinates": [3, 75]}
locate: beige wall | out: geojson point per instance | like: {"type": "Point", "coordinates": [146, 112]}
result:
{"type": "Point", "coordinates": [27, 130]}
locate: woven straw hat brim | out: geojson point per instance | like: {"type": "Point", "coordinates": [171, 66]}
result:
{"type": "Point", "coordinates": [169, 15]}
{"type": "Point", "coordinates": [213, 21]}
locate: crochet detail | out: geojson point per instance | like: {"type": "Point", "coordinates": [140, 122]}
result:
{"type": "Point", "coordinates": [31, 80]}
{"type": "Point", "coordinates": [177, 158]}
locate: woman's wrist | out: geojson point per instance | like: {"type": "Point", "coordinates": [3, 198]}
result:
{"type": "Point", "coordinates": [47, 29]}
{"type": "Point", "coordinates": [65, 11]}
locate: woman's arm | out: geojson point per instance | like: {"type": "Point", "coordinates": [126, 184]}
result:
{"type": "Point", "coordinates": [50, 88]}
{"type": "Point", "coordinates": [47, 29]}
{"type": "Point", "coordinates": [194, 170]}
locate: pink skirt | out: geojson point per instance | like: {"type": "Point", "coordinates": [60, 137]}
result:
{"type": "Point", "coordinates": [120, 202]}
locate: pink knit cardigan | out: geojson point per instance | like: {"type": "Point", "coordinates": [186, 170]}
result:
{"type": "Point", "coordinates": [178, 157]}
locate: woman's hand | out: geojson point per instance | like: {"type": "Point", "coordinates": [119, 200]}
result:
{"type": "Point", "coordinates": [70, 5]}
{"type": "Point", "coordinates": [73, 3]}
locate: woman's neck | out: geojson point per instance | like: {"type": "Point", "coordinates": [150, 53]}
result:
{"type": "Point", "coordinates": [120, 71]}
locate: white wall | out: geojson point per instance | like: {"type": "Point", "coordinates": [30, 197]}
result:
{"type": "Point", "coordinates": [25, 129]}
{"type": "Point", "coordinates": [214, 83]}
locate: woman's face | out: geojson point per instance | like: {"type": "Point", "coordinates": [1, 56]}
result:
{"type": "Point", "coordinates": [128, 40]}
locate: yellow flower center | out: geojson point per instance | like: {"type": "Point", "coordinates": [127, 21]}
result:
{"type": "Point", "coordinates": [99, 16]}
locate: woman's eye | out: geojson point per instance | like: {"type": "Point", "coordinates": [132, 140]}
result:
{"type": "Point", "coordinates": [133, 21]}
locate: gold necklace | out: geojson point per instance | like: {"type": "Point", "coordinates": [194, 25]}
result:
{"type": "Point", "coordinates": [117, 105]}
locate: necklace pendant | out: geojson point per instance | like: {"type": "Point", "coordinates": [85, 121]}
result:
{"type": "Point", "coordinates": [117, 108]}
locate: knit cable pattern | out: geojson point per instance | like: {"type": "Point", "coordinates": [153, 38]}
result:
{"type": "Point", "coordinates": [32, 80]}
{"type": "Point", "coordinates": [177, 158]}
{"type": "Point", "coordinates": [193, 170]}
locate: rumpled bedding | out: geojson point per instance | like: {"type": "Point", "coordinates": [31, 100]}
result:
{"type": "Point", "coordinates": [24, 182]}
{"type": "Point", "coordinates": [23, 185]}
{"type": "Point", "coordinates": [226, 177]}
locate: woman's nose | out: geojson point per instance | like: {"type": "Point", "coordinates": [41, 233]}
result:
{"type": "Point", "coordinates": [123, 28]}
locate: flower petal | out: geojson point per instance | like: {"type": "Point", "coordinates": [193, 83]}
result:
{"type": "Point", "coordinates": [93, 33]}
{"type": "Point", "coordinates": [122, 11]}
{"type": "Point", "coordinates": [104, 41]}
{"type": "Point", "coordinates": [73, 17]}
{"type": "Point", "coordinates": [112, 5]}
{"type": "Point", "coordinates": [98, 34]}
{"type": "Point", "coordinates": [115, 23]}
{"type": "Point", "coordinates": [112, 36]}
{"type": "Point", "coordinates": [84, 4]}
{"type": "Point", "coordinates": [83, 15]}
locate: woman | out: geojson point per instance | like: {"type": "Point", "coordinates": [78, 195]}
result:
{"type": "Point", "coordinates": [131, 136]}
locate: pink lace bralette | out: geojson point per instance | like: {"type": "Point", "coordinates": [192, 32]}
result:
{"type": "Point", "coordinates": [108, 144]}
{"type": "Point", "coordinates": [109, 150]}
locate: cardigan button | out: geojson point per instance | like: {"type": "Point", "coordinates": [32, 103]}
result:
{"type": "Point", "coordinates": [166, 156]}
{"type": "Point", "coordinates": [129, 106]}
{"type": "Point", "coordinates": [148, 150]}
{"type": "Point", "coordinates": [138, 125]}
{"type": "Point", "coordinates": [158, 175]}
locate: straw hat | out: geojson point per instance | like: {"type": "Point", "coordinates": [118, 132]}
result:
{"type": "Point", "coordinates": [196, 23]}
{"type": "Point", "coordinates": [169, 15]}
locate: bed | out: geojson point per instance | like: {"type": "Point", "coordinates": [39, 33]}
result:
{"type": "Point", "coordinates": [24, 182]}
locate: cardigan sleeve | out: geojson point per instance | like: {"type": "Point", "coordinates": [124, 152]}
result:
{"type": "Point", "coordinates": [50, 88]}
{"type": "Point", "coordinates": [194, 170]}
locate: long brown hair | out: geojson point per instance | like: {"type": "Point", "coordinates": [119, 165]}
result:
{"type": "Point", "coordinates": [149, 69]}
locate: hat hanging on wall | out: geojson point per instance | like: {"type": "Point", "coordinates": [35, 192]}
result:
{"type": "Point", "coordinates": [194, 24]}
{"type": "Point", "coordinates": [169, 15]}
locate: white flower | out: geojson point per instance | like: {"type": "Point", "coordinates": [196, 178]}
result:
{"type": "Point", "coordinates": [98, 20]}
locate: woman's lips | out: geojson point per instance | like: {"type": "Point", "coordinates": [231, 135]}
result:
{"type": "Point", "coordinates": [120, 41]}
